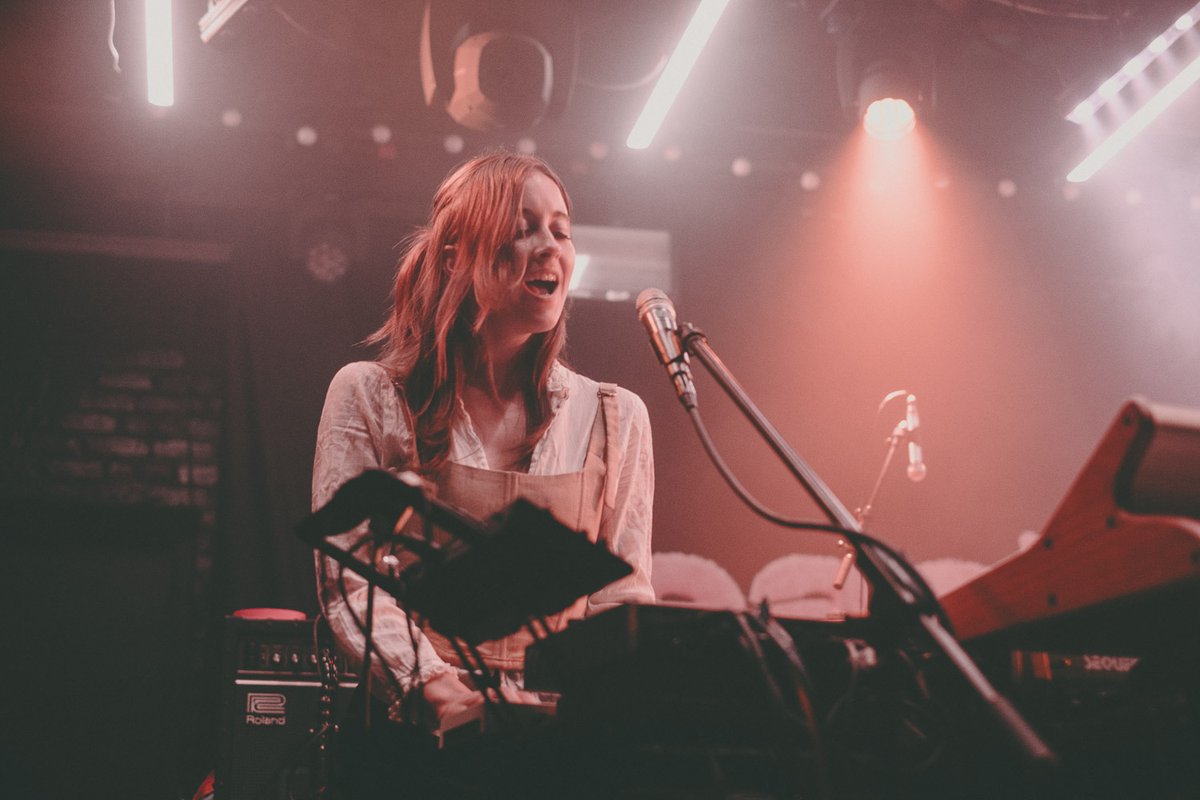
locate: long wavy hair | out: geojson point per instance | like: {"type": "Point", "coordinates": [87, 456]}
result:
{"type": "Point", "coordinates": [453, 274]}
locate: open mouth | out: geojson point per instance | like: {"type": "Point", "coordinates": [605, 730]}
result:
{"type": "Point", "coordinates": [544, 286]}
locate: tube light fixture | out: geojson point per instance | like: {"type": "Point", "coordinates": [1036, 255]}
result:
{"type": "Point", "coordinates": [160, 67]}
{"type": "Point", "coordinates": [1110, 88]}
{"type": "Point", "coordinates": [704, 20]}
{"type": "Point", "coordinates": [1124, 134]}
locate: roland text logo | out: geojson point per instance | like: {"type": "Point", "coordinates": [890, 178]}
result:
{"type": "Point", "coordinates": [266, 708]}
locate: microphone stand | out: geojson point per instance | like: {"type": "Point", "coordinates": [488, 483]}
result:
{"type": "Point", "coordinates": [903, 587]}
{"type": "Point", "coordinates": [893, 441]}
{"type": "Point", "coordinates": [863, 512]}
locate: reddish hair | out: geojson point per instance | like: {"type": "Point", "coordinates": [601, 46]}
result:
{"type": "Point", "coordinates": [454, 272]}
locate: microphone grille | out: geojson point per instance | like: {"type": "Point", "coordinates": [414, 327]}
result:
{"type": "Point", "coordinates": [653, 297]}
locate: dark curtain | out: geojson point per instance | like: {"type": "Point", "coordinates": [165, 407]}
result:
{"type": "Point", "coordinates": [289, 333]}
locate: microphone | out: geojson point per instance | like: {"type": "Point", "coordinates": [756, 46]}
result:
{"type": "Point", "coordinates": [657, 314]}
{"type": "Point", "coordinates": [916, 462]}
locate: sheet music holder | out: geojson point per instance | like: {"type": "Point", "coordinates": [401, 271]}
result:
{"type": "Point", "coordinates": [518, 565]}
{"type": "Point", "coordinates": [531, 565]}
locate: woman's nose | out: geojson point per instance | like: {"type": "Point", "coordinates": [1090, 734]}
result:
{"type": "Point", "coordinates": [547, 244]}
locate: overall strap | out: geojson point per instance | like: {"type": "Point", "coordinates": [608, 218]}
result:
{"type": "Point", "coordinates": [612, 424]}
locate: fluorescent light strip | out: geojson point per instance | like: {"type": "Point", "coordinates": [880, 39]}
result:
{"type": "Point", "coordinates": [581, 264]}
{"type": "Point", "coordinates": [160, 68]}
{"type": "Point", "coordinates": [675, 73]}
{"type": "Point", "coordinates": [1136, 123]}
{"type": "Point", "coordinates": [1133, 67]}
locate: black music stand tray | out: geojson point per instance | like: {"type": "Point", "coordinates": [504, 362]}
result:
{"type": "Point", "coordinates": [519, 565]}
{"type": "Point", "coordinates": [530, 566]}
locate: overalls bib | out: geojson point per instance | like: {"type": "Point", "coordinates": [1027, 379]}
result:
{"type": "Point", "coordinates": [576, 499]}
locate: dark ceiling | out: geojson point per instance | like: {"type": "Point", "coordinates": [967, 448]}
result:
{"type": "Point", "coordinates": [78, 137]}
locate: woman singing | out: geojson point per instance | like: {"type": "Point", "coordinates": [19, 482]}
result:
{"type": "Point", "coordinates": [470, 392]}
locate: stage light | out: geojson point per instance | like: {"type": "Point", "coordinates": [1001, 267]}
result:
{"type": "Point", "coordinates": [160, 58]}
{"type": "Point", "coordinates": [741, 167]}
{"type": "Point", "coordinates": [526, 146]}
{"type": "Point", "coordinates": [231, 118]}
{"type": "Point", "coordinates": [219, 12]}
{"type": "Point", "coordinates": [695, 36]}
{"type": "Point", "coordinates": [884, 53]}
{"type": "Point", "coordinates": [889, 119]}
{"type": "Point", "coordinates": [498, 66]}
{"type": "Point", "coordinates": [887, 99]}
{"type": "Point", "coordinates": [810, 181]}
{"type": "Point", "coordinates": [1112, 86]}
{"type": "Point", "coordinates": [454, 144]}
{"type": "Point", "coordinates": [1006, 188]}
{"type": "Point", "coordinates": [306, 135]}
{"type": "Point", "coordinates": [381, 134]}
{"type": "Point", "coordinates": [581, 264]}
{"type": "Point", "coordinates": [1136, 123]}
{"type": "Point", "coordinates": [326, 240]}
{"type": "Point", "coordinates": [327, 261]}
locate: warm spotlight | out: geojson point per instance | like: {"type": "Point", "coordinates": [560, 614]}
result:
{"type": "Point", "coordinates": [886, 69]}
{"type": "Point", "coordinates": [889, 119]}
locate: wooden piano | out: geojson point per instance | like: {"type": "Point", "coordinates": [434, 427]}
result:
{"type": "Point", "coordinates": [1094, 631]}
{"type": "Point", "coordinates": [1117, 567]}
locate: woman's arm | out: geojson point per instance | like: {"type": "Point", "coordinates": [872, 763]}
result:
{"type": "Point", "coordinates": [625, 526]}
{"type": "Point", "coordinates": [363, 427]}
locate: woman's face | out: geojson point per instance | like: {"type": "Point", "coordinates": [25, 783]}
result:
{"type": "Point", "coordinates": [544, 255]}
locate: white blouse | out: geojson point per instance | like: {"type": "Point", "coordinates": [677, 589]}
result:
{"type": "Point", "coordinates": [363, 426]}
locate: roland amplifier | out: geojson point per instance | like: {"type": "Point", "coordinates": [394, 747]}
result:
{"type": "Point", "coordinates": [272, 709]}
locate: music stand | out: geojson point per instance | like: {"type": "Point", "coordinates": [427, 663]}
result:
{"type": "Point", "coordinates": [521, 564]}
{"type": "Point", "coordinates": [529, 566]}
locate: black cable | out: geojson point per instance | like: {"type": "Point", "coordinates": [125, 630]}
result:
{"type": "Point", "coordinates": [803, 689]}
{"type": "Point", "coordinates": [741, 492]}
{"type": "Point", "coordinates": [360, 624]}
{"type": "Point", "coordinates": [483, 677]}
{"type": "Point", "coordinates": [917, 590]}
{"type": "Point", "coordinates": [787, 522]}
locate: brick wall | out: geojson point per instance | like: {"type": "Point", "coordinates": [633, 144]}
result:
{"type": "Point", "coordinates": [141, 427]}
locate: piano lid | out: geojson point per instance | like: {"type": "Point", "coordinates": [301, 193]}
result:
{"type": "Point", "coordinates": [1128, 527]}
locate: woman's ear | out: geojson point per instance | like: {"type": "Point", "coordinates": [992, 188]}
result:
{"type": "Point", "coordinates": [448, 254]}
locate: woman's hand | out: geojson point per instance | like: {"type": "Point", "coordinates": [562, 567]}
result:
{"type": "Point", "coordinates": [445, 695]}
